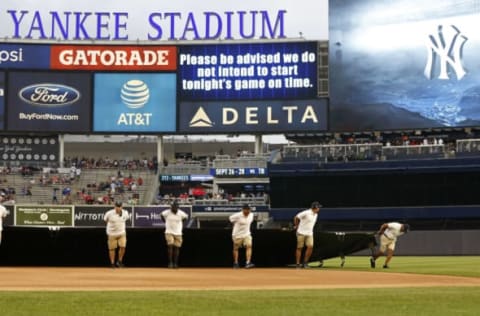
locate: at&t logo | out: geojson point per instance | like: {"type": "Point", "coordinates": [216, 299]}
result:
{"type": "Point", "coordinates": [135, 94]}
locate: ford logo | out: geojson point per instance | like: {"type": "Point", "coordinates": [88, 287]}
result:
{"type": "Point", "coordinates": [49, 94]}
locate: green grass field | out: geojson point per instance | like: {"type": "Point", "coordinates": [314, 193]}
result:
{"type": "Point", "coordinates": [388, 301]}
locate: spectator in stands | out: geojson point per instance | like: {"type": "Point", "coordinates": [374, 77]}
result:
{"type": "Point", "coordinates": [3, 214]}
{"type": "Point", "coordinates": [173, 219]}
{"type": "Point", "coordinates": [304, 222]}
{"type": "Point", "coordinates": [388, 232]}
{"type": "Point", "coordinates": [54, 196]}
{"type": "Point", "coordinates": [66, 193]}
{"type": "Point", "coordinates": [116, 219]}
{"type": "Point", "coordinates": [241, 235]}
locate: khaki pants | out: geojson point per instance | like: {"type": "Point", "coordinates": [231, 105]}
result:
{"type": "Point", "coordinates": [303, 240]}
{"type": "Point", "coordinates": [245, 242]}
{"type": "Point", "coordinates": [174, 240]}
{"type": "Point", "coordinates": [117, 241]}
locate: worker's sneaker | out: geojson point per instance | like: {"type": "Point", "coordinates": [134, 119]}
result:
{"type": "Point", "coordinates": [236, 266]}
{"type": "Point", "coordinates": [249, 265]}
{"type": "Point", "coordinates": [298, 266]}
{"type": "Point", "coordinates": [372, 262]}
{"type": "Point", "coordinates": [386, 267]}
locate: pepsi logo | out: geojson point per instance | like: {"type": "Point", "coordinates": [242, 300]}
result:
{"type": "Point", "coordinates": [49, 94]}
{"type": "Point", "coordinates": [135, 94]}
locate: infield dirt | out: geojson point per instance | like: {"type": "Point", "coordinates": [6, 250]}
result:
{"type": "Point", "coordinates": [91, 279]}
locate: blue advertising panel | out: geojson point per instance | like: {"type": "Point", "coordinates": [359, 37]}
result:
{"type": "Point", "coordinates": [2, 100]}
{"type": "Point", "coordinates": [248, 71]}
{"type": "Point", "coordinates": [403, 64]}
{"type": "Point", "coordinates": [49, 102]}
{"type": "Point", "coordinates": [151, 216]}
{"type": "Point", "coordinates": [135, 102]}
{"type": "Point", "coordinates": [253, 116]}
{"type": "Point", "coordinates": [16, 56]}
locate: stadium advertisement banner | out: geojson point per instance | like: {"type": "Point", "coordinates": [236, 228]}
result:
{"type": "Point", "coordinates": [248, 71]}
{"type": "Point", "coordinates": [44, 215]}
{"type": "Point", "coordinates": [151, 216]}
{"type": "Point", "coordinates": [123, 20]}
{"type": "Point", "coordinates": [2, 100]}
{"type": "Point", "coordinates": [114, 58]}
{"type": "Point", "coordinates": [135, 103]}
{"type": "Point", "coordinates": [253, 116]}
{"type": "Point", "coordinates": [17, 56]}
{"type": "Point", "coordinates": [21, 148]}
{"type": "Point", "coordinates": [49, 102]}
{"type": "Point", "coordinates": [389, 71]}
{"type": "Point", "coordinates": [92, 216]}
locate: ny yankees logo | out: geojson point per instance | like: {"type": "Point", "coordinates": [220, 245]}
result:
{"type": "Point", "coordinates": [448, 46]}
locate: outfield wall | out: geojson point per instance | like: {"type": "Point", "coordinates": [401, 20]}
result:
{"type": "Point", "coordinates": [40, 246]}
{"type": "Point", "coordinates": [68, 246]}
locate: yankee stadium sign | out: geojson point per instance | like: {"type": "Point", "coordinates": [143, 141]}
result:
{"type": "Point", "coordinates": [168, 21]}
{"type": "Point", "coordinates": [160, 25]}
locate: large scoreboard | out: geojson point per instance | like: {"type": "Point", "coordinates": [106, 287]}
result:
{"type": "Point", "coordinates": [247, 88]}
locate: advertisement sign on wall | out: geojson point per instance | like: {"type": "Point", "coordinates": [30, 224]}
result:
{"type": "Point", "coordinates": [253, 116]}
{"type": "Point", "coordinates": [113, 58]}
{"type": "Point", "coordinates": [44, 215]}
{"type": "Point", "coordinates": [136, 102]}
{"type": "Point", "coordinates": [92, 216]}
{"type": "Point", "coordinates": [248, 71]}
{"type": "Point", "coordinates": [49, 102]}
{"type": "Point", "coordinates": [18, 56]}
{"type": "Point", "coordinates": [150, 216]}
{"type": "Point", "coordinates": [2, 100]}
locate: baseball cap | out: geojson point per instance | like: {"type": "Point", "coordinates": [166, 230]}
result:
{"type": "Point", "coordinates": [174, 204]}
{"type": "Point", "coordinates": [118, 203]}
{"type": "Point", "coordinates": [406, 228]}
{"type": "Point", "coordinates": [245, 206]}
{"type": "Point", "coordinates": [316, 205]}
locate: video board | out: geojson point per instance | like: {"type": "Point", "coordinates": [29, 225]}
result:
{"type": "Point", "coordinates": [403, 65]}
{"type": "Point", "coordinates": [248, 71]}
{"type": "Point", "coordinates": [217, 88]}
